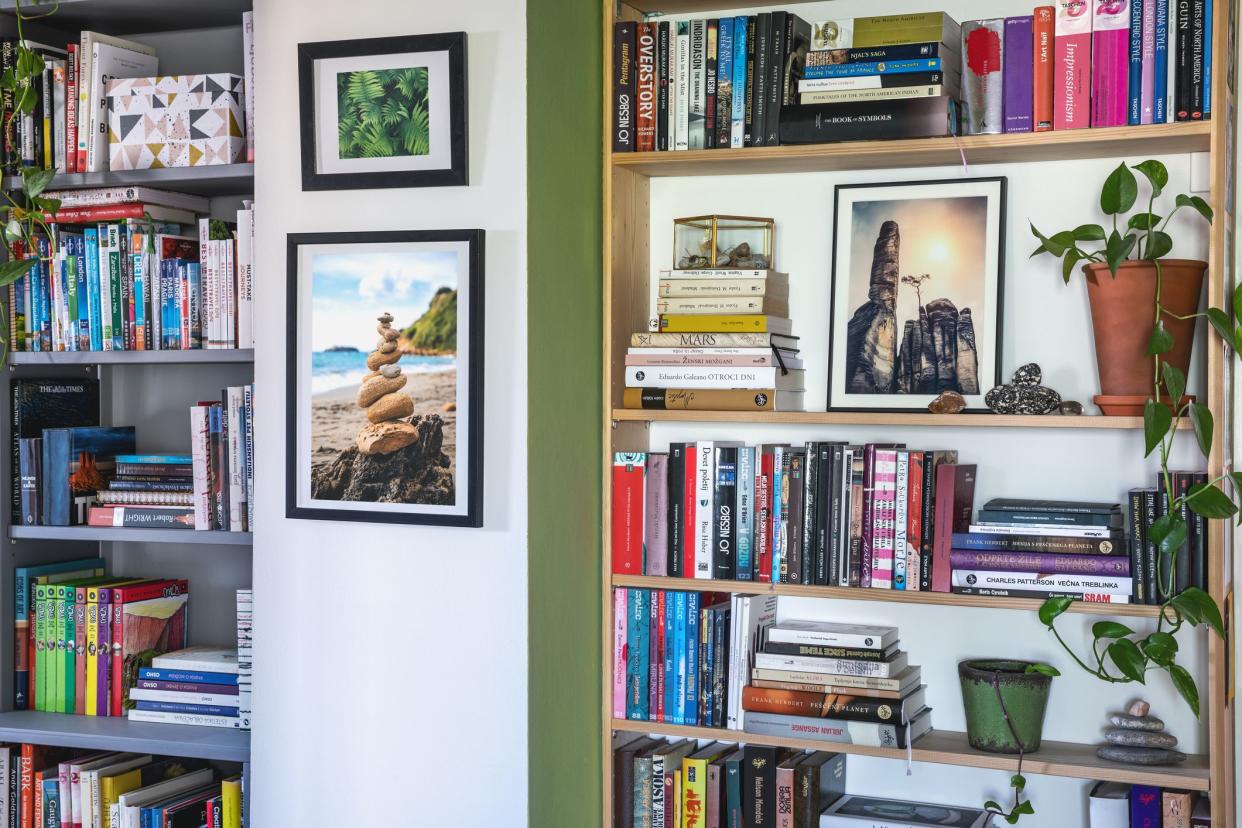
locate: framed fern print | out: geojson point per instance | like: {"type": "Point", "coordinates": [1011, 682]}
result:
{"type": "Point", "coordinates": [384, 112]}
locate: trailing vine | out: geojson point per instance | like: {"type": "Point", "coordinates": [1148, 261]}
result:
{"type": "Point", "coordinates": [1020, 806]}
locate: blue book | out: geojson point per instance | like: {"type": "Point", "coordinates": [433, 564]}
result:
{"type": "Point", "coordinates": [1207, 58]}
{"type": "Point", "coordinates": [179, 707]}
{"type": "Point", "coordinates": [1134, 111]}
{"type": "Point", "coordinates": [183, 459]}
{"type": "Point", "coordinates": [636, 648]}
{"type": "Point", "coordinates": [51, 802]}
{"type": "Point", "coordinates": [65, 450]}
{"type": "Point", "coordinates": [79, 270]}
{"type": "Point", "coordinates": [39, 294]}
{"type": "Point", "coordinates": [888, 67]}
{"type": "Point", "coordinates": [64, 298]}
{"type": "Point", "coordinates": [138, 266]}
{"type": "Point", "coordinates": [196, 310]}
{"type": "Point", "coordinates": [670, 657]}
{"type": "Point", "coordinates": [736, 132]}
{"type": "Point", "coordinates": [724, 75]}
{"type": "Point", "coordinates": [187, 676]}
{"type": "Point", "coordinates": [90, 237]}
{"type": "Point", "coordinates": [745, 511]}
{"type": "Point", "coordinates": [677, 714]}
{"type": "Point", "coordinates": [690, 704]}
{"type": "Point", "coordinates": [733, 790]}
{"type": "Point", "coordinates": [168, 327]}
{"type": "Point", "coordinates": [1161, 113]}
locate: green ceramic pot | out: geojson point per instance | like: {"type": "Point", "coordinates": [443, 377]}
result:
{"type": "Point", "coordinates": [1025, 697]}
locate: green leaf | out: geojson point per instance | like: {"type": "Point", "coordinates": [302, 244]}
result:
{"type": "Point", "coordinates": [12, 230]}
{"type": "Point", "coordinates": [35, 181]}
{"type": "Point", "coordinates": [1089, 232]}
{"type": "Point", "coordinates": [1220, 321]}
{"type": "Point", "coordinates": [1174, 382]}
{"type": "Point", "coordinates": [1161, 648]}
{"type": "Point", "coordinates": [1120, 191]}
{"type": "Point", "coordinates": [1210, 502]}
{"type": "Point", "coordinates": [1024, 807]}
{"type": "Point", "coordinates": [1043, 669]}
{"type": "Point", "coordinates": [1129, 660]}
{"type": "Point", "coordinates": [1157, 175]}
{"type": "Point", "coordinates": [1161, 245]}
{"type": "Point", "coordinates": [1117, 249]}
{"type": "Point", "coordinates": [1050, 609]}
{"type": "Point", "coordinates": [1201, 419]}
{"type": "Point", "coordinates": [1017, 781]}
{"type": "Point", "coordinates": [11, 271]}
{"type": "Point", "coordinates": [1110, 629]}
{"type": "Point", "coordinates": [1185, 685]}
{"type": "Point", "coordinates": [1237, 302]}
{"type": "Point", "coordinates": [1072, 258]}
{"type": "Point", "coordinates": [1199, 608]}
{"type": "Point", "coordinates": [1161, 341]}
{"type": "Point", "coordinates": [1168, 533]}
{"type": "Point", "coordinates": [992, 805]}
{"type": "Point", "coordinates": [1012, 818]}
{"type": "Point", "coordinates": [1143, 221]}
{"type": "Point", "coordinates": [1156, 422]}
{"type": "Point", "coordinates": [1047, 245]}
{"type": "Point", "coordinates": [47, 205]}
{"type": "Point", "coordinates": [1196, 203]}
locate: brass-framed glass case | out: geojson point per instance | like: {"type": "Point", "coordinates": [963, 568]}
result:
{"type": "Point", "coordinates": [742, 242]}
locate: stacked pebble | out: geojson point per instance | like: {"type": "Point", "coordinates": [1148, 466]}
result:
{"type": "Point", "coordinates": [1138, 738]}
{"type": "Point", "coordinates": [386, 405]}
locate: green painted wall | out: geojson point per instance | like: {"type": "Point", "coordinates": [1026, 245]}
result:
{"type": "Point", "coordinates": [564, 197]}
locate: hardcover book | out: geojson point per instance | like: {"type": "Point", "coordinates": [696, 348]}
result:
{"type": "Point", "coordinates": [869, 120]}
{"type": "Point", "coordinates": [1110, 63]}
{"type": "Point", "coordinates": [870, 734]}
{"type": "Point", "coordinates": [983, 71]}
{"type": "Point", "coordinates": [628, 481]}
{"type": "Point", "coordinates": [853, 811]}
{"type": "Point", "coordinates": [1072, 84]}
{"type": "Point", "coordinates": [1019, 58]}
{"type": "Point", "coordinates": [623, 85]}
{"type": "Point", "coordinates": [74, 467]}
{"type": "Point", "coordinates": [36, 404]}
{"type": "Point", "coordinates": [955, 495]}
{"type": "Point", "coordinates": [645, 89]}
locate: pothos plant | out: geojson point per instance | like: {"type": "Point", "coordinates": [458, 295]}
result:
{"type": "Point", "coordinates": [1020, 806]}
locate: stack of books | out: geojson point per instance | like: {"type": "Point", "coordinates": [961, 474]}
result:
{"type": "Point", "coordinates": [847, 683]}
{"type": "Point", "coordinates": [222, 450]}
{"type": "Point", "coordinates": [157, 486]}
{"type": "Point", "coordinates": [721, 340]}
{"type": "Point", "coordinates": [1042, 549]}
{"type": "Point", "coordinates": [245, 656]}
{"type": "Point", "coordinates": [1118, 805]}
{"type": "Point", "coordinates": [192, 686]}
{"type": "Point", "coordinates": [1156, 576]}
{"type": "Point", "coordinates": [682, 783]}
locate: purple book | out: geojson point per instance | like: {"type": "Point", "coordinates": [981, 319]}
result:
{"type": "Point", "coordinates": [1019, 55]}
{"type": "Point", "coordinates": [103, 650]}
{"type": "Point", "coordinates": [187, 687]}
{"type": "Point", "coordinates": [655, 524]}
{"type": "Point", "coordinates": [1146, 807]}
{"type": "Point", "coordinates": [1043, 563]}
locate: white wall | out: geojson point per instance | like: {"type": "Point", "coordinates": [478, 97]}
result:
{"type": "Point", "coordinates": [1045, 322]}
{"type": "Point", "coordinates": [390, 679]}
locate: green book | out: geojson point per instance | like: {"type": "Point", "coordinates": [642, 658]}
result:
{"type": "Point", "coordinates": [40, 665]}
{"type": "Point", "coordinates": [114, 284]}
{"type": "Point", "coordinates": [58, 650]}
{"type": "Point", "coordinates": [71, 292]}
{"type": "Point", "coordinates": [68, 657]}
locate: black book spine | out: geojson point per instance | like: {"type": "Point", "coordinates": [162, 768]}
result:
{"type": "Point", "coordinates": [725, 509]}
{"type": "Point", "coordinates": [1198, 542]}
{"type": "Point", "coordinates": [28, 478]}
{"type": "Point", "coordinates": [792, 516]}
{"type": "Point", "coordinates": [759, 100]}
{"type": "Point", "coordinates": [16, 509]}
{"type": "Point", "coordinates": [1166, 573]}
{"type": "Point", "coordinates": [797, 43]}
{"type": "Point", "coordinates": [1151, 511]}
{"type": "Point", "coordinates": [775, 89]}
{"type": "Point", "coordinates": [624, 38]}
{"type": "Point", "coordinates": [1198, 54]}
{"type": "Point", "coordinates": [868, 120]}
{"type": "Point", "coordinates": [829, 474]}
{"type": "Point", "coordinates": [720, 664]}
{"type": "Point", "coordinates": [1183, 569]}
{"type": "Point", "coordinates": [1182, 58]}
{"type": "Point", "coordinates": [758, 785]}
{"type": "Point", "coordinates": [929, 516]}
{"type": "Point", "coordinates": [705, 678]}
{"type": "Point", "coordinates": [825, 651]}
{"type": "Point", "coordinates": [6, 109]}
{"type": "Point", "coordinates": [710, 84]}
{"type": "Point", "coordinates": [810, 511]}
{"type": "Point", "coordinates": [748, 94]}
{"type": "Point", "coordinates": [663, 55]}
{"type": "Point", "coordinates": [676, 503]}
{"type": "Point", "coordinates": [835, 514]}
{"type": "Point", "coordinates": [1134, 542]}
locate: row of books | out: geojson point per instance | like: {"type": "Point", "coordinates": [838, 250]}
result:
{"type": "Point", "coordinates": [68, 130]}
{"type": "Point", "coordinates": [245, 656]}
{"type": "Point", "coordinates": [826, 513]}
{"type": "Point", "coordinates": [1153, 576]}
{"type": "Point", "coordinates": [130, 283]}
{"type": "Point", "coordinates": [195, 686]}
{"type": "Point", "coordinates": [1118, 805]}
{"type": "Point", "coordinates": [51, 786]}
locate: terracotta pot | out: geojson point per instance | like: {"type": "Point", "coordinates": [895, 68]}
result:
{"type": "Point", "coordinates": [1123, 313]}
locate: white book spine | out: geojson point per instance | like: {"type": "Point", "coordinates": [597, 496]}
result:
{"type": "Point", "coordinates": [85, 62]}
{"type": "Point", "coordinates": [681, 122]}
{"type": "Point", "coordinates": [199, 719]}
{"type": "Point", "coordinates": [237, 501]}
{"type": "Point", "coordinates": [705, 459]}
{"type": "Point", "coordinates": [229, 250]}
{"type": "Point", "coordinates": [657, 376]}
{"type": "Point", "coordinates": [245, 287]}
{"type": "Point", "coordinates": [179, 697]}
{"type": "Point", "coordinates": [899, 520]}
{"type": "Point", "coordinates": [832, 666]}
{"type": "Point", "coordinates": [869, 640]}
{"type": "Point", "coordinates": [105, 285]}
{"type": "Point", "coordinates": [248, 75]}
{"type": "Point", "coordinates": [248, 404]}
{"type": "Point", "coordinates": [94, 148]}
{"type": "Point", "coordinates": [1085, 584]}
{"type": "Point", "coordinates": [199, 439]}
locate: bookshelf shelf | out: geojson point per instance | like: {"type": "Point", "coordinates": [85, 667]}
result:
{"type": "Point", "coordinates": [211, 180]}
{"type": "Point", "coordinates": [196, 357]}
{"type": "Point", "coordinates": [95, 732]}
{"type": "Point", "coordinates": [1012, 148]}
{"type": "Point", "coordinates": [97, 533]}
{"type": "Point", "coordinates": [936, 599]}
{"type": "Point", "coordinates": [128, 16]}
{"type": "Point", "coordinates": [948, 747]}
{"type": "Point", "coordinates": [877, 419]}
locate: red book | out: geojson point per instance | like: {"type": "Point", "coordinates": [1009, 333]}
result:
{"type": "Point", "coordinates": [914, 521]}
{"type": "Point", "coordinates": [690, 512]}
{"type": "Point", "coordinates": [35, 756]}
{"type": "Point", "coordinates": [138, 634]}
{"type": "Point", "coordinates": [103, 212]}
{"type": "Point", "coordinates": [955, 500]}
{"type": "Point", "coordinates": [646, 87]}
{"type": "Point", "coordinates": [763, 514]}
{"type": "Point", "coordinates": [628, 472]}
{"type": "Point", "coordinates": [71, 109]}
{"type": "Point", "coordinates": [1045, 59]}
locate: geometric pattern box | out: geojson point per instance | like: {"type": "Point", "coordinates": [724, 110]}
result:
{"type": "Point", "coordinates": [176, 121]}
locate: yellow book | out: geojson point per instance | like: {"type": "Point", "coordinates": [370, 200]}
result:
{"type": "Point", "coordinates": [723, 323]}
{"type": "Point", "coordinates": [92, 646]}
{"type": "Point", "coordinates": [231, 802]}
{"type": "Point", "coordinates": [110, 790]}
{"type": "Point", "coordinates": [896, 29]}
{"type": "Point", "coordinates": [694, 784]}
{"type": "Point", "coordinates": [676, 820]}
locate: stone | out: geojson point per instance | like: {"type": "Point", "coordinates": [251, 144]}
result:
{"type": "Point", "coordinates": [1138, 707]}
{"type": "Point", "coordinates": [967, 369]}
{"type": "Point", "coordinates": [1070, 408]}
{"type": "Point", "coordinates": [370, 375]}
{"type": "Point", "coordinates": [1140, 755]}
{"type": "Point", "coordinates": [949, 402]}
{"type": "Point", "coordinates": [389, 334]}
{"type": "Point", "coordinates": [390, 371]}
{"type": "Point", "coordinates": [383, 438]}
{"type": "Point", "coordinates": [1140, 738]}
{"type": "Point", "coordinates": [386, 346]}
{"type": "Point", "coordinates": [385, 318]}
{"type": "Point", "coordinates": [450, 406]}
{"type": "Point", "coordinates": [1029, 375]}
{"type": "Point", "coordinates": [393, 406]}
{"type": "Point", "coordinates": [742, 251]}
{"type": "Point", "coordinates": [417, 472]}
{"type": "Point", "coordinates": [1124, 720]}
{"type": "Point", "coordinates": [375, 359]}
{"type": "Point", "coordinates": [1024, 394]}
{"type": "Point", "coordinates": [871, 337]}
{"type": "Point", "coordinates": [373, 389]}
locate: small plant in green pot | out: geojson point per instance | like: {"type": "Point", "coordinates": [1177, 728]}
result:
{"type": "Point", "coordinates": [1005, 701]}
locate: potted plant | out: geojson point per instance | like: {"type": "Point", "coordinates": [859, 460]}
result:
{"type": "Point", "coordinates": [1128, 275]}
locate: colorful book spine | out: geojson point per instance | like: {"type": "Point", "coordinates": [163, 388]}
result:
{"type": "Point", "coordinates": [1134, 107]}
{"type": "Point", "coordinates": [79, 632]}
{"type": "Point", "coordinates": [1072, 82]}
{"type": "Point", "coordinates": [1110, 63]}
{"type": "Point", "coordinates": [1160, 64]}
{"type": "Point", "coordinates": [1146, 806]}
{"type": "Point", "coordinates": [636, 650]}
{"type": "Point", "coordinates": [645, 88]}
{"type": "Point", "coordinates": [888, 67]}
{"type": "Point", "coordinates": [1019, 82]}
{"type": "Point", "coordinates": [737, 132]}
{"type": "Point", "coordinates": [681, 667]}
{"type": "Point", "coordinates": [620, 644]}
{"type": "Point", "coordinates": [885, 494]}
{"type": "Point", "coordinates": [1146, 9]}
{"type": "Point", "coordinates": [745, 512]}
{"type": "Point", "coordinates": [1040, 562]}
{"type": "Point", "coordinates": [690, 703]}
{"type": "Point", "coordinates": [983, 65]}
{"type": "Point", "coordinates": [628, 474]}
{"type": "Point", "coordinates": [623, 45]}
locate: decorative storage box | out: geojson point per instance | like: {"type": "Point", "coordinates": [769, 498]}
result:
{"type": "Point", "coordinates": [176, 121]}
{"type": "Point", "coordinates": [741, 242]}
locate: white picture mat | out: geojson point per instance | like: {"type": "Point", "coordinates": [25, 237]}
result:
{"type": "Point", "coordinates": [327, 143]}
{"type": "Point", "coordinates": [461, 464]}
{"type": "Point", "coordinates": [986, 324]}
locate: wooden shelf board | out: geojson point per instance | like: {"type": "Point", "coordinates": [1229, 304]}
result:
{"type": "Point", "coordinates": [106, 733]}
{"type": "Point", "coordinates": [211, 180]}
{"type": "Point", "coordinates": [107, 533]}
{"type": "Point", "coordinates": [946, 747]}
{"type": "Point", "coordinates": [896, 596]}
{"type": "Point", "coordinates": [1111, 142]}
{"type": "Point", "coordinates": [877, 418]}
{"type": "Point", "coordinates": [196, 357]}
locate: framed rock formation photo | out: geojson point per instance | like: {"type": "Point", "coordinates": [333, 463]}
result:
{"type": "Point", "coordinates": [385, 375]}
{"type": "Point", "coordinates": [384, 112]}
{"type": "Point", "coordinates": [915, 304]}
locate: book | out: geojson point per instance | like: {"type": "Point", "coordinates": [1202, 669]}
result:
{"type": "Point", "coordinates": [714, 377]}
{"type": "Point", "coordinates": [200, 659]}
{"type": "Point", "coordinates": [954, 501]}
{"type": "Point", "coordinates": [1160, 64]}
{"type": "Point", "coordinates": [759, 783]}
{"type": "Point", "coordinates": [1044, 60]}
{"type": "Point", "coordinates": [1060, 507]}
{"type": "Point", "coordinates": [907, 51]}
{"type": "Point", "coordinates": [1018, 54]}
{"type": "Point", "coordinates": [1072, 73]}
{"type": "Point", "coordinates": [882, 93]}
{"type": "Point", "coordinates": [869, 120]}
{"type": "Point", "coordinates": [681, 94]}
{"type": "Point", "coordinates": [770, 305]}
{"type": "Point", "coordinates": [644, 101]}
{"type": "Point", "coordinates": [110, 58]}
{"type": "Point", "coordinates": [845, 707]}
{"type": "Point", "coordinates": [663, 70]}
{"type": "Point", "coordinates": [1146, 806]}
{"type": "Point", "coordinates": [1041, 595]}
{"type": "Point", "coordinates": [1177, 808]}
{"type": "Point", "coordinates": [696, 122]}
{"type": "Point", "coordinates": [983, 72]}
{"type": "Point", "coordinates": [73, 464]}
{"type": "Point", "coordinates": [896, 29]}
{"type": "Point", "coordinates": [712, 340]}
{"type": "Point", "coordinates": [882, 67]}
{"type": "Point", "coordinates": [141, 517]}
{"type": "Point", "coordinates": [835, 666]}
{"type": "Point", "coordinates": [855, 811]}
{"type": "Point", "coordinates": [722, 323]}
{"type": "Point", "coordinates": [1064, 545]}
{"type": "Point", "coordinates": [894, 82]}
{"type": "Point", "coordinates": [833, 634]}
{"type": "Point", "coordinates": [1110, 63]}
{"type": "Point", "coordinates": [712, 399]}
{"type": "Point", "coordinates": [623, 84]}
{"type": "Point", "coordinates": [870, 734]}
{"type": "Point", "coordinates": [1134, 65]}
{"type": "Point", "coordinates": [655, 515]}
{"type": "Point", "coordinates": [1041, 562]}
{"type": "Point", "coordinates": [36, 404]}
{"type": "Point", "coordinates": [1041, 582]}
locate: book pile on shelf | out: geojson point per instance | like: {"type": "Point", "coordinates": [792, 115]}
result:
{"type": "Point", "coordinates": [824, 513]}
{"type": "Point", "coordinates": [773, 78]}
{"type": "Point", "coordinates": [245, 656]}
{"type": "Point", "coordinates": [722, 341]}
{"type": "Point", "coordinates": [91, 475]}
{"type": "Point", "coordinates": [44, 786]}
{"type": "Point", "coordinates": [192, 686]}
{"type": "Point", "coordinates": [1153, 575]}
{"type": "Point", "coordinates": [108, 279]}
{"type": "Point", "coordinates": [681, 784]}
{"type": "Point", "coordinates": [1118, 805]}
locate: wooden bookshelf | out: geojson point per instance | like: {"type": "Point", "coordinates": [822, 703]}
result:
{"type": "Point", "coordinates": [628, 233]}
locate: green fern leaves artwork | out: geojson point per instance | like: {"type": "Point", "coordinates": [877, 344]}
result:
{"type": "Point", "coordinates": [383, 113]}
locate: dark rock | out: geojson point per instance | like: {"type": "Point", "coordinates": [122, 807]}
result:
{"type": "Point", "coordinates": [949, 402]}
{"type": "Point", "coordinates": [1070, 408]}
{"type": "Point", "coordinates": [942, 319]}
{"type": "Point", "coordinates": [1128, 722]}
{"type": "Point", "coordinates": [1029, 374]}
{"type": "Point", "coordinates": [1140, 738]}
{"type": "Point", "coordinates": [419, 473]}
{"type": "Point", "coordinates": [1024, 394]}
{"type": "Point", "coordinates": [871, 339]}
{"type": "Point", "coordinates": [1140, 755]}
{"type": "Point", "coordinates": [967, 354]}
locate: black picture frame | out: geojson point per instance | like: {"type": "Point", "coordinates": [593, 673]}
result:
{"type": "Point", "coordinates": [457, 174]}
{"type": "Point", "coordinates": [471, 431]}
{"type": "Point", "coordinates": [1001, 184]}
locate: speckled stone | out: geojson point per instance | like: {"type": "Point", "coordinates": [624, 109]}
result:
{"type": "Point", "coordinates": [1028, 375]}
{"type": "Point", "coordinates": [1140, 738]}
{"type": "Point", "coordinates": [1140, 755]}
{"type": "Point", "coordinates": [1128, 722]}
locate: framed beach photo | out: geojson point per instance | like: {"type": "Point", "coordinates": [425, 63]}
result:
{"type": "Point", "coordinates": [384, 112]}
{"type": "Point", "coordinates": [917, 277]}
{"type": "Point", "coordinates": [384, 410]}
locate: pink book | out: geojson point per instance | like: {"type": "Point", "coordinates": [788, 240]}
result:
{"type": "Point", "coordinates": [1148, 92]}
{"type": "Point", "coordinates": [1110, 63]}
{"type": "Point", "coordinates": [655, 523]}
{"type": "Point", "coordinates": [885, 488]}
{"type": "Point", "coordinates": [1072, 84]}
{"type": "Point", "coordinates": [620, 611]}
{"type": "Point", "coordinates": [785, 794]}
